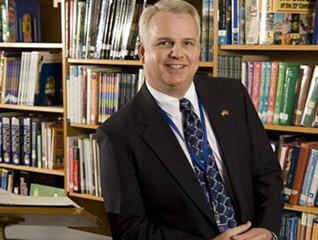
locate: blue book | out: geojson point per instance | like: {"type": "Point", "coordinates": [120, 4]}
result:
{"type": "Point", "coordinates": [266, 92]}
{"type": "Point", "coordinates": [31, 7]}
{"type": "Point", "coordinates": [16, 134]}
{"type": "Point", "coordinates": [27, 142]}
{"type": "Point", "coordinates": [262, 89]}
{"type": "Point", "coordinates": [291, 173]}
{"type": "Point", "coordinates": [293, 224]}
{"type": "Point", "coordinates": [311, 165]}
{"type": "Point", "coordinates": [6, 139]}
{"type": "Point", "coordinates": [235, 33]}
{"type": "Point", "coordinates": [50, 84]}
{"type": "Point", "coordinates": [314, 38]}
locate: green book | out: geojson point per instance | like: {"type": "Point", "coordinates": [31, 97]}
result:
{"type": "Point", "coordinates": [311, 101]}
{"type": "Point", "coordinates": [288, 95]}
{"type": "Point", "coordinates": [45, 191]}
{"type": "Point", "coordinates": [262, 89]}
{"type": "Point", "coordinates": [280, 87]}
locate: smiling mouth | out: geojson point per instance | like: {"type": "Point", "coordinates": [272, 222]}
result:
{"type": "Point", "coordinates": [177, 66]}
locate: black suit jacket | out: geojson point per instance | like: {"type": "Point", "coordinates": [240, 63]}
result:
{"type": "Point", "coordinates": [149, 188]}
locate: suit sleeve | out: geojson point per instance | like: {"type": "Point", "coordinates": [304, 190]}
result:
{"type": "Point", "coordinates": [267, 180]}
{"type": "Point", "coordinates": [122, 195]}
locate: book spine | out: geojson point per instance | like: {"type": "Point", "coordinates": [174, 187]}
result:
{"type": "Point", "coordinates": [314, 38]}
{"type": "Point", "coordinates": [279, 91]}
{"type": "Point", "coordinates": [262, 89]}
{"type": "Point", "coordinates": [311, 101]}
{"type": "Point", "coordinates": [252, 21]}
{"type": "Point", "coordinates": [6, 139]}
{"type": "Point", "coordinates": [288, 97]}
{"type": "Point", "coordinates": [272, 93]}
{"type": "Point", "coordinates": [266, 92]}
{"type": "Point", "coordinates": [27, 142]}
{"type": "Point", "coordinates": [256, 84]}
{"type": "Point", "coordinates": [304, 78]}
{"type": "Point", "coordinates": [311, 165]}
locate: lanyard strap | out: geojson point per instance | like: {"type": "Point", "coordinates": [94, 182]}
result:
{"type": "Point", "coordinates": [205, 145]}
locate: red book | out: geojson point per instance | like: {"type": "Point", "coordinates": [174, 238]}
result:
{"type": "Point", "coordinates": [300, 170]}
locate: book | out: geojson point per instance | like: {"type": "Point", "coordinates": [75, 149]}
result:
{"type": "Point", "coordinates": [252, 21]}
{"type": "Point", "coordinates": [308, 177]}
{"type": "Point", "coordinates": [309, 225]}
{"type": "Point", "coordinates": [300, 170]}
{"type": "Point", "coordinates": [301, 92]}
{"type": "Point", "coordinates": [313, 188]}
{"type": "Point", "coordinates": [314, 39]}
{"type": "Point", "coordinates": [291, 173]}
{"type": "Point", "coordinates": [25, 181]}
{"type": "Point", "coordinates": [279, 91]}
{"type": "Point", "coordinates": [40, 190]}
{"type": "Point", "coordinates": [256, 84]}
{"type": "Point", "coordinates": [288, 95]}
{"type": "Point", "coordinates": [314, 235]}
{"type": "Point", "coordinates": [28, 8]}
{"type": "Point", "coordinates": [303, 225]}
{"type": "Point", "coordinates": [311, 101]}
{"type": "Point", "coordinates": [16, 143]}
{"type": "Point", "coordinates": [272, 93]}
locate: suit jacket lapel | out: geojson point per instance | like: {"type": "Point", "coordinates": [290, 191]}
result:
{"type": "Point", "coordinates": [162, 141]}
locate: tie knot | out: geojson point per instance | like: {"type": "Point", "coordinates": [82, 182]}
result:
{"type": "Point", "coordinates": [185, 105]}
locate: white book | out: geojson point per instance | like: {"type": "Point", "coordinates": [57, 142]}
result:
{"type": "Point", "coordinates": [252, 21]}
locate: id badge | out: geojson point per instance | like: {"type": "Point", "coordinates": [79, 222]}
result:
{"type": "Point", "coordinates": [222, 227]}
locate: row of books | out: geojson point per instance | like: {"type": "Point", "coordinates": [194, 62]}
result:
{"type": "Point", "coordinates": [295, 227]}
{"type": "Point", "coordinates": [230, 66]}
{"type": "Point", "coordinates": [207, 21]}
{"type": "Point", "coordinates": [31, 78]}
{"type": "Point", "coordinates": [30, 184]}
{"type": "Point", "coordinates": [95, 93]}
{"type": "Point", "coordinates": [103, 29]}
{"type": "Point", "coordinates": [268, 22]}
{"type": "Point", "coordinates": [298, 156]}
{"type": "Point", "coordinates": [20, 21]}
{"type": "Point", "coordinates": [31, 141]}
{"type": "Point", "coordinates": [83, 165]}
{"type": "Point", "coordinates": [283, 93]}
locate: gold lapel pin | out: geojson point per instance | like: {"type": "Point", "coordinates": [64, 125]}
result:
{"type": "Point", "coordinates": [225, 112]}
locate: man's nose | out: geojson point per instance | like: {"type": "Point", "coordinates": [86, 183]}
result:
{"type": "Point", "coordinates": [176, 51]}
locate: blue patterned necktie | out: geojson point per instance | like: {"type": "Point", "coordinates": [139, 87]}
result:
{"type": "Point", "coordinates": [207, 173]}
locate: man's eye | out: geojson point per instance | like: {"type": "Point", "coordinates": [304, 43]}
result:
{"type": "Point", "coordinates": [164, 43]}
{"type": "Point", "coordinates": [188, 43]}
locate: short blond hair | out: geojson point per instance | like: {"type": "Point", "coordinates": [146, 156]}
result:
{"type": "Point", "coordinates": [172, 6]}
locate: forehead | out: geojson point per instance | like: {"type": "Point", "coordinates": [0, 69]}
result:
{"type": "Point", "coordinates": [172, 25]}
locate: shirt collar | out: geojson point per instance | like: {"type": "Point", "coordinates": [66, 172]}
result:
{"type": "Point", "coordinates": [171, 104]}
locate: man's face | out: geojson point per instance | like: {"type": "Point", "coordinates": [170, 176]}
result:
{"type": "Point", "coordinates": [171, 53]}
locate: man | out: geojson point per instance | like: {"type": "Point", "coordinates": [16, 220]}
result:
{"type": "Point", "coordinates": [155, 185]}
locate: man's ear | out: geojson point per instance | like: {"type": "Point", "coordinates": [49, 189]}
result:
{"type": "Point", "coordinates": [141, 52]}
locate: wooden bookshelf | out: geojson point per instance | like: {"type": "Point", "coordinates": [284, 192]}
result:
{"type": "Point", "coordinates": [294, 129]}
{"type": "Point", "coordinates": [44, 46]}
{"type": "Point", "coordinates": [268, 47]}
{"type": "Point", "coordinates": [86, 196]}
{"type": "Point", "coordinates": [299, 208]}
{"type": "Point", "coordinates": [57, 172]}
{"type": "Point", "coordinates": [47, 109]}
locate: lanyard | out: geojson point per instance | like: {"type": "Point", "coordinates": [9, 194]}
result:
{"type": "Point", "coordinates": [205, 145]}
{"type": "Point", "coordinates": [222, 226]}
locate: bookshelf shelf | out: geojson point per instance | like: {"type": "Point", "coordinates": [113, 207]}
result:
{"type": "Point", "coordinates": [292, 129]}
{"type": "Point", "coordinates": [20, 46]}
{"type": "Point", "coordinates": [86, 196]}
{"type": "Point", "coordinates": [87, 126]}
{"type": "Point", "coordinates": [269, 47]}
{"type": "Point", "coordinates": [33, 169]}
{"type": "Point", "coordinates": [48, 109]}
{"type": "Point", "coordinates": [120, 62]}
{"type": "Point", "coordinates": [299, 208]}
